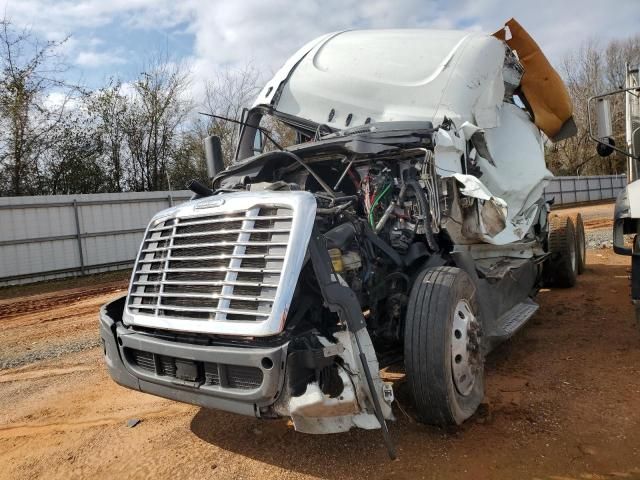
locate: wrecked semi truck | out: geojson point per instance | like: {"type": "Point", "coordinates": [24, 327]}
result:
{"type": "Point", "coordinates": [405, 224]}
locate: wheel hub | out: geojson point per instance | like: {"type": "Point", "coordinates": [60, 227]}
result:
{"type": "Point", "coordinates": [466, 357]}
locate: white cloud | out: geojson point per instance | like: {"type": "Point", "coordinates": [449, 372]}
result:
{"type": "Point", "coordinates": [69, 15]}
{"type": "Point", "coordinates": [269, 31]}
{"type": "Point", "coordinates": [265, 33]}
{"type": "Point", "coordinates": [91, 59]}
{"type": "Point", "coordinates": [56, 100]}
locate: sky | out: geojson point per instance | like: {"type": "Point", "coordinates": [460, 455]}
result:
{"type": "Point", "coordinates": [110, 38]}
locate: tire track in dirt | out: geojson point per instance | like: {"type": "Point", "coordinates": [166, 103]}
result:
{"type": "Point", "coordinates": [31, 429]}
{"type": "Point", "coordinates": [42, 373]}
{"type": "Point", "coordinates": [19, 322]}
{"type": "Point", "coordinates": [12, 308]}
{"type": "Point", "coordinates": [598, 224]}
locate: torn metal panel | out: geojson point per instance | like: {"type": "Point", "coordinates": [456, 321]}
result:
{"type": "Point", "coordinates": [449, 147]}
{"type": "Point", "coordinates": [543, 88]}
{"type": "Point", "coordinates": [476, 135]}
{"type": "Point", "coordinates": [316, 412]}
{"type": "Point", "coordinates": [497, 268]}
{"type": "Point", "coordinates": [517, 176]}
{"type": "Point", "coordinates": [513, 250]}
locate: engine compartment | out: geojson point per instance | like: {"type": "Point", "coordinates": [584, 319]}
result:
{"type": "Point", "coordinates": [384, 212]}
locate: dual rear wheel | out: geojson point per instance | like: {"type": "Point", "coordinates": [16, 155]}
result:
{"type": "Point", "coordinates": [567, 251]}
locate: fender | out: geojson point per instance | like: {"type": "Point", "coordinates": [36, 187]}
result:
{"type": "Point", "coordinates": [626, 218]}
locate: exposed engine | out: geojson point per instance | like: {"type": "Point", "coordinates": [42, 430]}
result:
{"type": "Point", "coordinates": [380, 215]}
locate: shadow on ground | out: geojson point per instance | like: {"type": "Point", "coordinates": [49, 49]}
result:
{"type": "Point", "coordinates": [540, 400]}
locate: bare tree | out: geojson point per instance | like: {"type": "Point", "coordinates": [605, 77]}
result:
{"type": "Point", "coordinates": [30, 72]}
{"type": "Point", "coordinates": [227, 95]}
{"type": "Point", "coordinates": [107, 109]}
{"type": "Point", "coordinates": [157, 113]}
{"type": "Point", "coordinates": [591, 70]}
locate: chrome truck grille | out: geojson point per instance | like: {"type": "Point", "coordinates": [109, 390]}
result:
{"type": "Point", "coordinates": [212, 267]}
{"type": "Point", "coordinates": [222, 264]}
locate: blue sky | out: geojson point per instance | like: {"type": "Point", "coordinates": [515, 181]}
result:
{"type": "Point", "coordinates": [113, 37]}
{"type": "Point", "coordinates": [105, 58]}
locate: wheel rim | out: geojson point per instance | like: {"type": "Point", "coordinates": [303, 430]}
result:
{"type": "Point", "coordinates": [466, 359]}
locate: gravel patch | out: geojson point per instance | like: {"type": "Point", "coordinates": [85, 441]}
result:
{"type": "Point", "coordinates": [601, 238]}
{"type": "Point", "coordinates": [53, 351]}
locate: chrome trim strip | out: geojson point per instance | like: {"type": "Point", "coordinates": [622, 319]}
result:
{"type": "Point", "coordinates": [214, 283]}
{"type": "Point", "coordinates": [214, 269]}
{"type": "Point", "coordinates": [224, 232]}
{"type": "Point", "coordinates": [203, 295]}
{"type": "Point", "coordinates": [176, 308]}
{"type": "Point", "coordinates": [212, 257]}
{"type": "Point", "coordinates": [222, 220]}
{"type": "Point", "coordinates": [217, 244]}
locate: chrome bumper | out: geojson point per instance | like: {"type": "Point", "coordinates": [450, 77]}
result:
{"type": "Point", "coordinates": [193, 380]}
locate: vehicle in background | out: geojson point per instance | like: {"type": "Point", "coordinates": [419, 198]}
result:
{"type": "Point", "coordinates": [405, 223]}
{"type": "Point", "coordinates": [626, 217]}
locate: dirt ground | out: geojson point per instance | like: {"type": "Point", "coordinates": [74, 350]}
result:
{"type": "Point", "coordinates": [563, 401]}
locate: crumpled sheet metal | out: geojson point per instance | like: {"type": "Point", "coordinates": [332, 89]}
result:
{"type": "Point", "coordinates": [541, 85]}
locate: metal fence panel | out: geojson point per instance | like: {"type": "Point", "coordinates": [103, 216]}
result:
{"type": "Point", "coordinates": [569, 190]}
{"type": "Point", "coordinates": [54, 236]}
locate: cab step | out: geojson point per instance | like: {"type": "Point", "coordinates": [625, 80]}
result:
{"type": "Point", "coordinates": [511, 321]}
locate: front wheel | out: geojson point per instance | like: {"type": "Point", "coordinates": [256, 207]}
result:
{"type": "Point", "coordinates": [443, 355]}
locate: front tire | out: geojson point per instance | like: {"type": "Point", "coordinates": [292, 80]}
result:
{"type": "Point", "coordinates": [443, 355]}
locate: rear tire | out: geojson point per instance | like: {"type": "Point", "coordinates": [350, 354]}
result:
{"type": "Point", "coordinates": [561, 268]}
{"type": "Point", "coordinates": [443, 355]}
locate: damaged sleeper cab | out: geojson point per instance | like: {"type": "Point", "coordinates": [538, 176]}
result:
{"type": "Point", "coordinates": [404, 223]}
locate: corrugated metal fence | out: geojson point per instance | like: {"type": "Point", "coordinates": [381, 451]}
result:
{"type": "Point", "coordinates": [56, 236]}
{"type": "Point", "coordinates": [568, 190]}
{"type": "Point", "coordinates": [64, 235]}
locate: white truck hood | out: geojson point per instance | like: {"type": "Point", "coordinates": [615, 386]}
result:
{"type": "Point", "coordinates": [342, 79]}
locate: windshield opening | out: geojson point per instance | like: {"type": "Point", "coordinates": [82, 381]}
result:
{"type": "Point", "coordinates": [273, 132]}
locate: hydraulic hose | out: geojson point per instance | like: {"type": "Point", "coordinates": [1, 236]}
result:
{"type": "Point", "coordinates": [424, 207]}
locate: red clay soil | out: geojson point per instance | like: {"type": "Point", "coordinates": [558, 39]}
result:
{"type": "Point", "coordinates": [563, 401]}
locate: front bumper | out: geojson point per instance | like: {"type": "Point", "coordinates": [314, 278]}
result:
{"type": "Point", "coordinates": [235, 379]}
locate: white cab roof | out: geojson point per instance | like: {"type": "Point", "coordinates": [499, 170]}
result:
{"type": "Point", "coordinates": [389, 75]}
